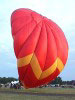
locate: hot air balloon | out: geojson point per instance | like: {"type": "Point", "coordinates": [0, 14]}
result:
{"type": "Point", "coordinates": [40, 47]}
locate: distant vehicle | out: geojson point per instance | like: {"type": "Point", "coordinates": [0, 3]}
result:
{"type": "Point", "coordinates": [54, 85]}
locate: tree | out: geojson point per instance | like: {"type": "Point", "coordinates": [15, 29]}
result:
{"type": "Point", "coordinates": [58, 80]}
{"type": "Point", "coordinates": [4, 80]}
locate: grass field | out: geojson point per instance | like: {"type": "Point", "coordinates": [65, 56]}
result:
{"type": "Point", "coordinates": [11, 94]}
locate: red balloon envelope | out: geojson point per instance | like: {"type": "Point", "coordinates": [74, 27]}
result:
{"type": "Point", "coordinates": [40, 47]}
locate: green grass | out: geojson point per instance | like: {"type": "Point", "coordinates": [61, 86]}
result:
{"type": "Point", "coordinates": [53, 90]}
{"type": "Point", "coordinates": [46, 90]}
{"type": "Point", "coordinates": [25, 97]}
{"type": "Point", "coordinates": [7, 96]}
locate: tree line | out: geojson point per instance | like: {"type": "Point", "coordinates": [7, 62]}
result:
{"type": "Point", "coordinates": [4, 80]}
{"type": "Point", "coordinates": [58, 80]}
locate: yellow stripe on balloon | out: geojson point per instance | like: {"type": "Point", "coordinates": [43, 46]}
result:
{"type": "Point", "coordinates": [49, 71]}
{"type": "Point", "coordinates": [57, 64]}
{"type": "Point", "coordinates": [60, 65]}
{"type": "Point", "coordinates": [24, 61]}
{"type": "Point", "coordinates": [39, 74]}
{"type": "Point", "coordinates": [35, 67]}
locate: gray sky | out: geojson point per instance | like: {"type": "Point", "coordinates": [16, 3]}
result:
{"type": "Point", "coordinates": [60, 11]}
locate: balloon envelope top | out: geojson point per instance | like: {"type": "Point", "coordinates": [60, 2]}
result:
{"type": "Point", "coordinates": [40, 47]}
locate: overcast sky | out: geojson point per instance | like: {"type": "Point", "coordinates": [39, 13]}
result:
{"type": "Point", "coordinates": [60, 11]}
